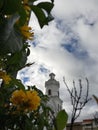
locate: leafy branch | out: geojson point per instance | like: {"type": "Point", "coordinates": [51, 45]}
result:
{"type": "Point", "coordinates": [77, 100]}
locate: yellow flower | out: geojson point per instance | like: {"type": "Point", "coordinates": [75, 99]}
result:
{"type": "Point", "coordinates": [27, 32]}
{"type": "Point", "coordinates": [17, 97]}
{"type": "Point", "coordinates": [25, 101]}
{"type": "Point", "coordinates": [5, 77]}
{"type": "Point", "coordinates": [33, 100]}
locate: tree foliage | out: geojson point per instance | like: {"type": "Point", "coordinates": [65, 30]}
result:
{"type": "Point", "coordinates": [21, 107]}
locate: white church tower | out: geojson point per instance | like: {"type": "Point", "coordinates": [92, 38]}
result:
{"type": "Point", "coordinates": [52, 90]}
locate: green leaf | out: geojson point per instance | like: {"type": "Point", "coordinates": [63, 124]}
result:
{"type": "Point", "coordinates": [23, 16]}
{"type": "Point", "coordinates": [10, 39]}
{"type": "Point", "coordinates": [18, 83]}
{"type": "Point", "coordinates": [1, 5]}
{"type": "Point", "coordinates": [11, 6]}
{"type": "Point", "coordinates": [41, 122]}
{"type": "Point", "coordinates": [50, 18]}
{"type": "Point", "coordinates": [18, 59]}
{"type": "Point", "coordinates": [31, 1]}
{"type": "Point", "coordinates": [47, 6]}
{"type": "Point", "coordinates": [16, 62]}
{"type": "Point", "coordinates": [42, 11]}
{"type": "Point", "coordinates": [52, 1]}
{"type": "Point", "coordinates": [40, 15]}
{"type": "Point", "coordinates": [28, 124]}
{"type": "Point", "coordinates": [61, 120]}
{"type": "Point", "coordinates": [28, 51]}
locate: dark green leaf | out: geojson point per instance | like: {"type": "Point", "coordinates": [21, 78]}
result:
{"type": "Point", "coordinates": [52, 1]}
{"type": "Point", "coordinates": [47, 6]}
{"type": "Point", "coordinates": [23, 16]}
{"type": "Point", "coordinates": [61, 120]}
{"type": "Point", "coordinates": [32, 1]}
{"type": "Point", "coordinates": [28, 124]}
{"type": "Point", "coordinates": [11, 6]}
{"type": "Point", "coordinates": [16, 61]}
{"type": "Point", "coordinates": [41, 122]}
{"type": "Point", "coordinates": [23, 59]}
{"type": "Point", "coordinates": [18, 84]}
{"type": "Point", "coordinates": [28, 51]}
{"type": "Point", "coordinates": [1, 5]}
{"type": "Point", "coordinates": [50, 18]}
{"type": "Point", "coordinates": [40, 15]}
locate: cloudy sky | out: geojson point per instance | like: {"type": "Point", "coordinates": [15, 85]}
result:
{"type": "Point", "coordinates": [67, 47]}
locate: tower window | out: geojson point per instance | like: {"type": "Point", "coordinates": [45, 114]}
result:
{"type": "Point", "coordinates": [58, 94]}
{"type": "Point", "coordinates": [49, 92]}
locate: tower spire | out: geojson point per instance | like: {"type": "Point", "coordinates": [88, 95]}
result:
{"type": "Point", "coordinates": [52, 90]}
{"type": "Point", "coordinates": [52, 75]}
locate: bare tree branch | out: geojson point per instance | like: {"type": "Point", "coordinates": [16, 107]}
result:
{"type": "Point", "coordinates": [77, 100]}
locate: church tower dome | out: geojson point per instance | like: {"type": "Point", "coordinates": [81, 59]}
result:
{"type": "Point", "coordinates": [52, 90]}
{"type": "Point", "coordinates": [52, 86]}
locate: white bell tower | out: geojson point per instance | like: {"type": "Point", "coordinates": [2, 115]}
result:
{"type": "Point", "coordinates": [52, 90]}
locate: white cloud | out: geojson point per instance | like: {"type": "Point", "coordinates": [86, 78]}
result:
{"type": "Point", "coordinates": [72, 8]}
{"type": "Point", "coordinates": [72, 20]}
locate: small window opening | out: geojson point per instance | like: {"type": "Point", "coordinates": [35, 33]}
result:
{"type": "Point", "coordinates": [49, 92]}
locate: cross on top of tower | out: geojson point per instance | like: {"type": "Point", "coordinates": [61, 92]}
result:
{"type": "Point", "coordinates": [52, 75]}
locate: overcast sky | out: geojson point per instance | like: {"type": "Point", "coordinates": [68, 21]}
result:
{"type": "Point", "coordinates": [67, 47]}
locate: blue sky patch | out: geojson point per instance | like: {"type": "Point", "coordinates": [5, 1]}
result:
{"type": "Point", "coordinates": [25, 79]}
{"type": "Point", "coordinates": [42, 69]}
{"type": "Point", "coordinates": [74, 47]}
{"type": "Point", "coordinates": [34, 44]}
{"type": "Point", "coordinates": [64, 27]}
